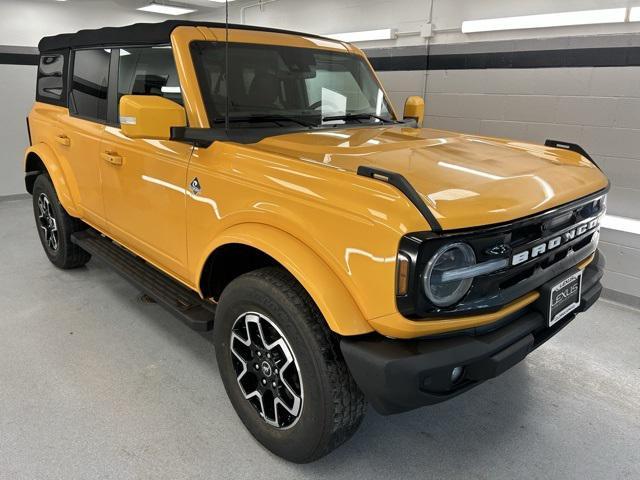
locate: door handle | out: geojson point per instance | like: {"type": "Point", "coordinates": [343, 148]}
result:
{"type": "Point", "coordinates": [63, 140]}
{"type": "Point", "coordinates": [112, 158]}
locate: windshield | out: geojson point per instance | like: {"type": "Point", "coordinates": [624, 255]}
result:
{"type": "Point", "coordinates": [287, 86]}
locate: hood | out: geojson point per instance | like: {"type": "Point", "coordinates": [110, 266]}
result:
{"type": "Point", "coordinates": [465, 180]}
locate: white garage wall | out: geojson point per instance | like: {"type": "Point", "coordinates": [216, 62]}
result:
{"type": "Point", "coordinates": [334, 16]}
{"type": "Point", "coordinates": [17, 84]}
{"type": "Point", "coordinates": [328, 16]}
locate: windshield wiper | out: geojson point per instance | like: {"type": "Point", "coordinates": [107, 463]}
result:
{"type": "Point", "coordinates": [275, 118]}
{"type": "Point", "coordinates": [357, 116]}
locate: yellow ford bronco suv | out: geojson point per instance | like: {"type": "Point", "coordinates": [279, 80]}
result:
{"type": "Point", "coordinates": [257, 182]}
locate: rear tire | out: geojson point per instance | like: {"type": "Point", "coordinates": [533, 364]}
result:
{"type": "Point", "coordinates": [55, 226]}
{"type": "Point", "coordinates": [267, 313]}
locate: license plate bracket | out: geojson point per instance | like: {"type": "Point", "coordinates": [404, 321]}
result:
{"type": "Point", "coordinates": [561, 296]}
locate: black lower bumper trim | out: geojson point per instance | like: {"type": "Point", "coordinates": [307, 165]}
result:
{"type": "Point", "coordinates": [400, 375]}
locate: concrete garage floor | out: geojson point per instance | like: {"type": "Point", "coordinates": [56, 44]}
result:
{"type": "Point", "coordinates": [96, 384]}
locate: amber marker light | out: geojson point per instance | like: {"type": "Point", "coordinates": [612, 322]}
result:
{"type": "Point", "coordinates": [402, 275]}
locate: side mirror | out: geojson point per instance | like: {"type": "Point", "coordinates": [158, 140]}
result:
{"type": "Point", "coordinates": [149, 116]}
{"type": "Point", "coordinates": [414, 110]}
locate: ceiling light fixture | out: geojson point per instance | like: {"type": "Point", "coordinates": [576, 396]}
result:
{"type": "Point", "coordinates": [563, 19]}
{"type": "Point", "coordinates": [166, 9]}
{"type": "Point", "coordinates": [634, 14]}
{"type": "Point", "coordinates": [366, 36]}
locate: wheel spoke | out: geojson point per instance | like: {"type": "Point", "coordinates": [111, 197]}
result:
{"type": "Point", "coordinates": [48, 204]}
{"type": "Point", "coordinates": [235, 337]}
{"type": "Point", "coordinates": [53, 241]}
{"type": "Point", "coordinates": [263, 361]}
{"type": "Point", "coordinates": [255, 320]}
{"type": "Point", "coordinates": [48, 223]}
{"type": "Point", "coordinates": [41, 208]}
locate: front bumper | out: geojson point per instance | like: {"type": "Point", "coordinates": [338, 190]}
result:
{"type": "Point", "coordinates": [400, 375]}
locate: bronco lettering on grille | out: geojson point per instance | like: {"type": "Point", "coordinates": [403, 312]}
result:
{"type": "Point", "coordinates": [554, 242]}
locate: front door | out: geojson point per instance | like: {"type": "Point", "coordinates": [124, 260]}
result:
{"type": "Point", "coordinates": [143, 180]}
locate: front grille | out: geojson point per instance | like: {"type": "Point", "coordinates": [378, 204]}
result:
{"type": "Point", "coordinates": [539, 267]}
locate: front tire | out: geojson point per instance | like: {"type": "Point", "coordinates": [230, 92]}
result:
{"type": "Point", "coordinates": [282, 368]}
{"type": "Point", "coordinates": [55, 226]}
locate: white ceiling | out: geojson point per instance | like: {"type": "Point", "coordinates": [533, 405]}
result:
{"type": "Point", "coordinates": [200, 5]}
{"type": "Point", "coordinates": [208, 3]}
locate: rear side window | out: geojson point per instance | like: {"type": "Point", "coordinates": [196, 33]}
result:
{"type": "Point", "coordinates": [89, 86]}
{"type": "Point", "coordinates": [51, 79]}
{"type": "Point", "coordinates": [148, 71]}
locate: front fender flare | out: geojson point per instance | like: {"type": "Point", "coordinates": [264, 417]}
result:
{"type": "Point", "coordinates": [332, 298]}
{"type": "Point", "coordinates": [54, 169]}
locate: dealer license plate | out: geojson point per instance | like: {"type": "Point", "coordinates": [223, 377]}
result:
{"type": "Point", "coordinates": [564, 297]}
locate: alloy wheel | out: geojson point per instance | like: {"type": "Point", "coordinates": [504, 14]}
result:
{"type": "Point", "coordinates": [266, 369]}
{"type": "Point", "coordinates": [48, 221]}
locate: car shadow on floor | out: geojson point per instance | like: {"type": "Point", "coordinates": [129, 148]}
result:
{"type": "Point", "coordinates": [475, 423]}
{"type": "Point", "coordinates": [446, 436]}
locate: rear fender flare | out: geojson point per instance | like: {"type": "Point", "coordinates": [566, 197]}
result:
{"type": "Point", "coordinates": [52, 163]}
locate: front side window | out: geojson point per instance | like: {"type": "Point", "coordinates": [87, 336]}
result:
{"type": "Point", "coordinates": [276, 83]}
{"type": "Point", "coordinates": [88, 97]}
{"type": "Point", "coordinates": [148, 71]}
{"type": "Point", "coordinates": [51, 78]}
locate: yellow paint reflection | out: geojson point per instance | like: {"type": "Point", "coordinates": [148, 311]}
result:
{"type": "Point", "coordinates": [356, 251]}
{"type": "Point", "coordinates": [202, 199]}
{"type": "Point", "coordinates": [293, 186]}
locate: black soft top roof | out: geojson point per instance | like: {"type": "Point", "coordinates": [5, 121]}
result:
{"type": "Point", "coordinates": [139, 34]}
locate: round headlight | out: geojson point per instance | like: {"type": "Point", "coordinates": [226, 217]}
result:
{"type": "Point", "coordinates": [449, 257]}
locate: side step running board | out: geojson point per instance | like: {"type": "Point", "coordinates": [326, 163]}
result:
{"type": "Point", "coordinates": [179, 300]}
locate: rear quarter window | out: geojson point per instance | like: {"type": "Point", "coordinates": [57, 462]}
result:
{"type": "Point", "coordinates": [51, 79]}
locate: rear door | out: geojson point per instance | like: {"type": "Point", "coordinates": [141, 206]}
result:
{"type": "Point", "coordinates": [80, 132]}
{"type": "Point", "coordinates": [144, 191]}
